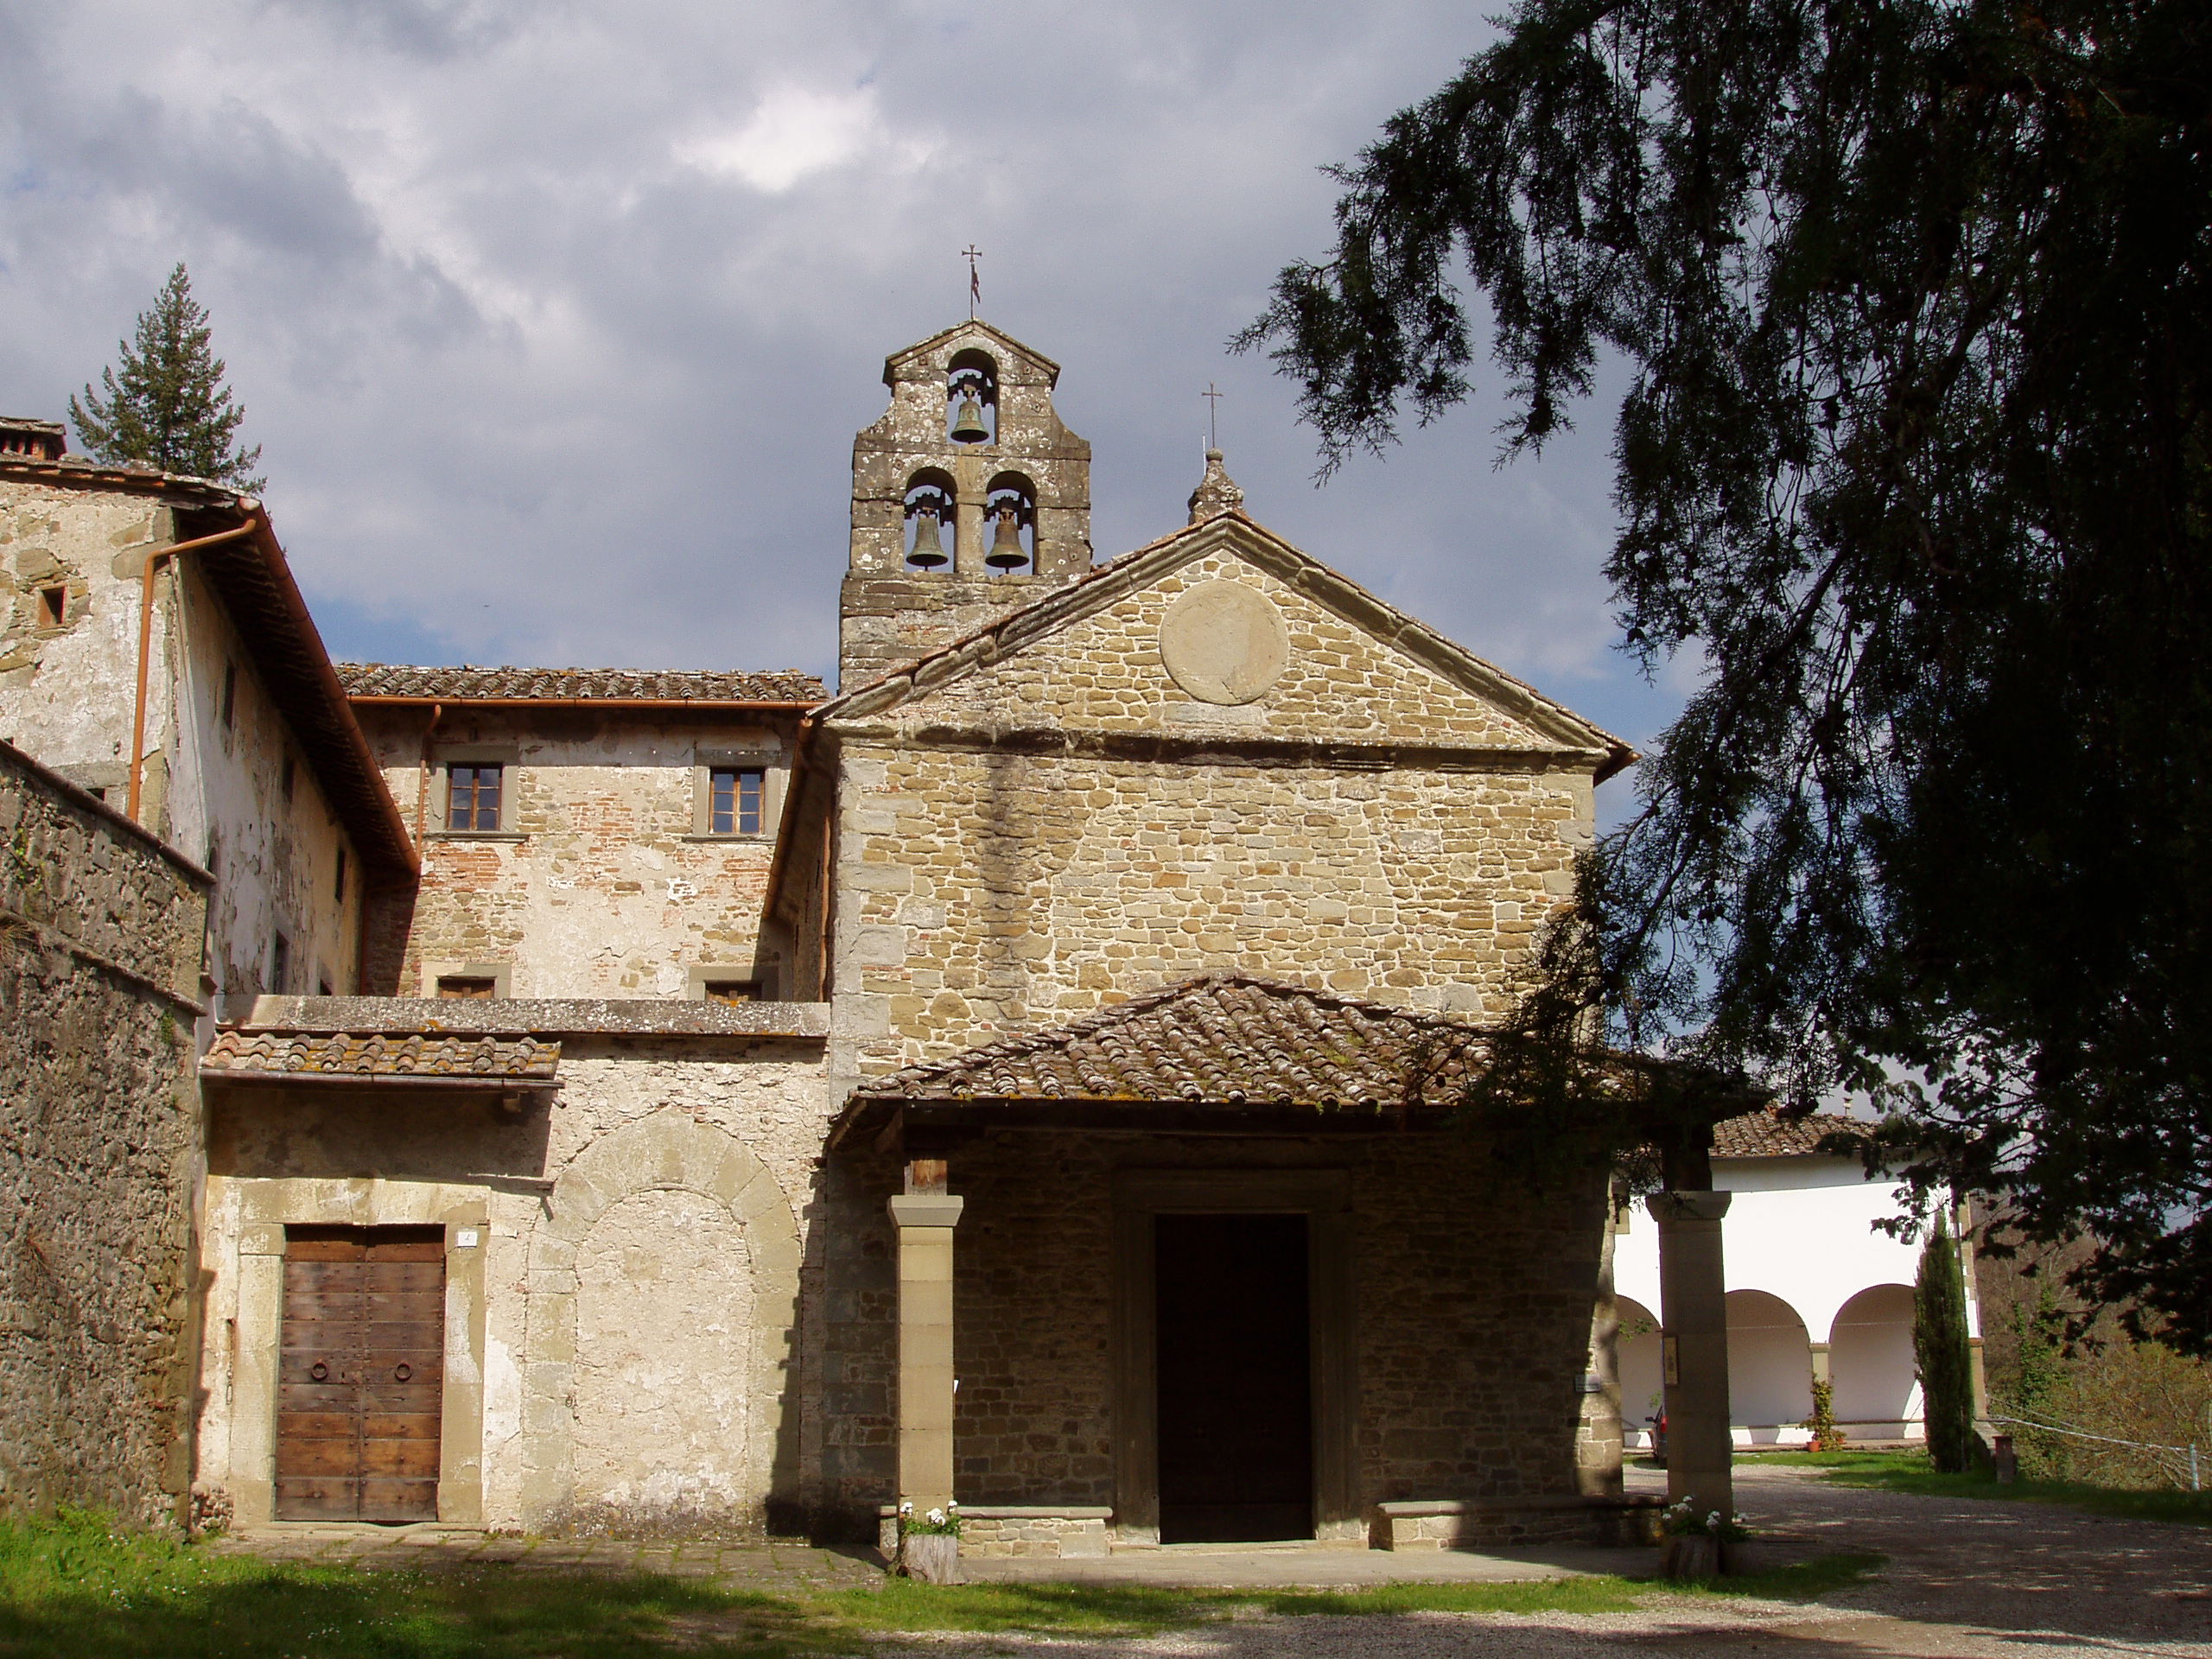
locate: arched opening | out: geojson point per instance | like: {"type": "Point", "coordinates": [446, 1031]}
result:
{"type": "Point", "coordinates": [927, 536]}
{"type": "Point", "coordinates": [1769, 1366]}
{"type": "Point", "coordinates": [1871, 1362]}
{"type": "Point", "coordinates": [971, 397]}
{"type": "Point", "coordinates": [1010, 517]}
{"type": "Point", "coordinates": [1636, 1350]}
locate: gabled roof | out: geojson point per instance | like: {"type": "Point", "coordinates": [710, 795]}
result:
{"type": "Point", "coordinates": [372, 682]}
{"type": "Point", "coordinates": [1110, 583]}
{"type": "Point", "coordinates": [1233, 1041]}
{"type": "Point", "coordinates": [382, 1057]}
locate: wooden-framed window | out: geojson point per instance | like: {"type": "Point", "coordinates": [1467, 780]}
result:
{"type": "Point", "coordinates": [736, 799]}
{"type": "Point", "coordinates": [467, 987]}
{"type": "Point", "coordinates": [732, 990]}
{"type": "Point", "coordinates": [473, 795]}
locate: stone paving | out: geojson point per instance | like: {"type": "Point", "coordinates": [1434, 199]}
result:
{"type": "Point", "coordinates": [1965, 1579]}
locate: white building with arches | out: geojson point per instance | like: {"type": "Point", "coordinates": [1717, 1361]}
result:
{"type": "Point", "coordinates": [1815, 1289]}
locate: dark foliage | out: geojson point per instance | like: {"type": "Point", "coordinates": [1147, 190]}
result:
{"type": "Point", "coordinates": [1940, 1350]}
{"type": "Point", "coordinates": [1917, 460]}
{"type": "Point", "coordinates": [169, 407]}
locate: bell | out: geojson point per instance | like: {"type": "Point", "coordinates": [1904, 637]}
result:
{"type": "Point", "coordinates": [967, 423]}
{"type": "Point", "coordinates": [1007, 552]}
{"type": "Point", "coordinates": [929, 552]}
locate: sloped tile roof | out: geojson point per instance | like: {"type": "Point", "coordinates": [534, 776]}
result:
{"type": "Point", "coordinates": [1233, 1039]}
{"type": "Point", "coordinates": [394, 1055]}
{"type": "Point", "coordinates": [467, 683]}
{"type": "Point", "coordinates": [1772, 1133]}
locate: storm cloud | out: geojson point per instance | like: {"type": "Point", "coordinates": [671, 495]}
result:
{"type": "Point", "coordinates": [555, 320]}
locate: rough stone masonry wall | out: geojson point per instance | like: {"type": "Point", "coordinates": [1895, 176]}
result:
{"type": "Point", "coordinates": [1472, 1303]}
{"type": "Point", "coordinates": [1067, 828]}
{"type": "Point", "coordinates": [986, 893]}
{"type": "Point", "coordinates": [100, 940]}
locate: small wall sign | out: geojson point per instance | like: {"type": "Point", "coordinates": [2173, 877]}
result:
{"type": "Point", "coordinates": [465, 1239]}
{"type": "Point", "coordinates": [1674, 1363]}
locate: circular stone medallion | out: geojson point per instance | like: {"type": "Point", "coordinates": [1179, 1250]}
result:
{"type": "Point", "coordinates": [1224, 643]}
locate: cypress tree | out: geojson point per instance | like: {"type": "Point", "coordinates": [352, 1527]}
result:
{"type": "Point", "coordinates": [1939, 1345]}
{"type": "Point", "coordinates": [168, 406]}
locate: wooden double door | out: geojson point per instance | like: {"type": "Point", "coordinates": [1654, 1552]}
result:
{"type": "Point", "coordinates": [360, 1380]}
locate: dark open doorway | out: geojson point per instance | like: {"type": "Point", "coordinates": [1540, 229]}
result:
{"type": "Point", "coordinates": [1235, 1427]}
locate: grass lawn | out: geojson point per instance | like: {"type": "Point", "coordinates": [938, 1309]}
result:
{"type": "Point", "coordinates": [1911, 1472]}
{"type": "Point", "coordinates": [74, 1587]}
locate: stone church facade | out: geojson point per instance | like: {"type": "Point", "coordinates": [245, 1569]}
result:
{"type": "Point", "coordinates": [1018, 1077]}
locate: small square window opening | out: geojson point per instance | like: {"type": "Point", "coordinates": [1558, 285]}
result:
{"type": "Point", "coordinates": [473, 798]}
{"type": "Point", "coordinates": [733, 797]}
{"type": "Point", "coordinates": [457, 985]}
{"type": "Point", "coordinates": [52, 607]}
{"type": "Point", "coordinates": [733, 990]}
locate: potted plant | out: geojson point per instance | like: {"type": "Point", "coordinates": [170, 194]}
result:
{"type": "Point", "coordinates": [1698, 1540]}
{"type": "Point", "coordinates": [929, 1544]}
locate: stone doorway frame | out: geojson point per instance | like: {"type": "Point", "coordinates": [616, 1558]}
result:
{"type": "Point", "coordinates": [1323, 1197]}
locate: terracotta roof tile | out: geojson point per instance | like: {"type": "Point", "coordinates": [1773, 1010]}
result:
{"type": "Point", "coordinates": [1229, 1039]}
{"type": "Point", "coordinates": [467, 683]}
{"type": "Point", "coordinates": [1772, 1133]}
{"type": "Point", "coordinates": [380, 1055]}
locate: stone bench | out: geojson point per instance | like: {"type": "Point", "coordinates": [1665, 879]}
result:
{"type": "Point", "coordinates": [1510, 1523]}
{"type": "Point", "coordinates": [1051, 1530]}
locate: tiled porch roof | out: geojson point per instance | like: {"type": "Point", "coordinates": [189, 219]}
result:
{"type": "Point", "coordinates": [1232, 1039]}
{"type": "Point", "coordinates": [384, 1057]}
{"type": "Point", "coordinates": [1772, 1133]}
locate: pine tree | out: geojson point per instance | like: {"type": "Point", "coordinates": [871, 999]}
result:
{"type": "Point", "coordinates": [169, 407]}
{"type": "Point", "coordinates": [1939, 1345]}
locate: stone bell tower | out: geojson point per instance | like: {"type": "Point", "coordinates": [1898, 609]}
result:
{"type": "Point", "coordinates": [969, 498]}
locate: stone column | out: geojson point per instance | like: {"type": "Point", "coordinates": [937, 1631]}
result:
{"type": "Point", "coordinates": [1820, 1362]}
{"type": "Point", "coordinates": [926, 1221]}
{"type": "Point", "coordinates": [1693, 1293]}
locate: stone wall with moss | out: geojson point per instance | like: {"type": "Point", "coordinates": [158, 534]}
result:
{"type": "Point", "coordinates": [101, 933]}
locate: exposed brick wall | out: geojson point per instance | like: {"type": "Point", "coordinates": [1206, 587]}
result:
{"type": "Point", "coordinates": [100, 943]}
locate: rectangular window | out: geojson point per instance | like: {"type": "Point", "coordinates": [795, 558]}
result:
{"type": "Point", "coordinates": [733, 797]}
{"type": "Point", "coordinates": [52, 607]}
{"type": "Point", "coordinates": [458, 985]}
{"type": "Point", "coordinates": [340, 891]}
{"type": "Point", "coordinates": [473, 796]}
{"type": "Point", "coordinates": [280, 965]}
{"type": "Point", "coordinates": [230, 694]}
{"type": "Point", "coordinates": [285, 777]}
{"type": "Point", "coordinates": [733, 990]}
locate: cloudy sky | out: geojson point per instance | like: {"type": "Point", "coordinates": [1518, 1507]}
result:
{"type": "Point", "coordinates": [555, 320]}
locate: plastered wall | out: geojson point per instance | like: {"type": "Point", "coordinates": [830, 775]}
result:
{"type": "Point", "coordinates": [212, 788]}
{"type": "Point", "coordinates": [632, 1368]}
{"type": "Point", "coordinates": [597, 882]}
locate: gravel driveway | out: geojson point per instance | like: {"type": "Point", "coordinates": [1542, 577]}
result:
{"type": "Point", "coordinates": [1965, 1577]}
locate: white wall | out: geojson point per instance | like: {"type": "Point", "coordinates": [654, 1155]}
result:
{"type": "Point", "coordinates": [1799, 1232]}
